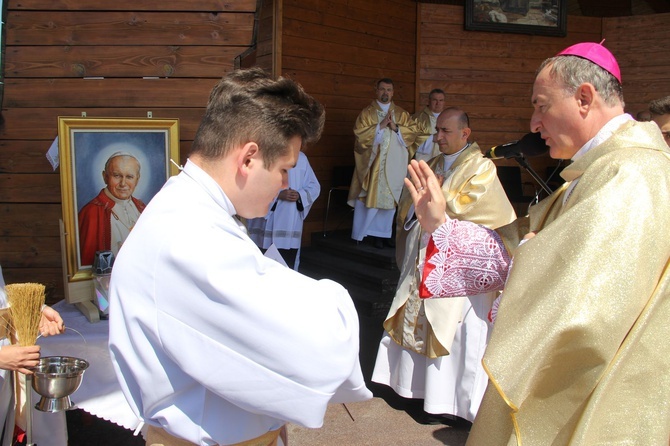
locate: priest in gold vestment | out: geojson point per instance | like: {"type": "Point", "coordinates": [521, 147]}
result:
{"type": "Point", "coordinates": [432, 348]}
{"type": "Point", "coordinates": [579, 353]}
{"type": "Point", "coordinates": [384, 145]}
{"type": "Point", "coordinates": [426, 119]}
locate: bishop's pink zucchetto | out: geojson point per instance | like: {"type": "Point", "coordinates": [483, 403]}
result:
{"type": "Point", "coordinates": [596, 53]}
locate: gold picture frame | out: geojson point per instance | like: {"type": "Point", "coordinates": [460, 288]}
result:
{"type": "Point", "coordinates": [85, 145]}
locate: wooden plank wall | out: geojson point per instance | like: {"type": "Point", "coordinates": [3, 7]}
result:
{"type": "Point", "coordinates": [338, 49]}
{"type": "Point", "coordinates": [640, 44]}
{"type": "Point", "coordinates": [52, 47]}
{"type": "Point", "coordinates": [489, 75]}
{"type": "Point", "coordinates": [265, 44]}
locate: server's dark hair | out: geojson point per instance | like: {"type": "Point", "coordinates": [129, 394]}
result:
{"type": "Point", "coordinates": [249, 106]}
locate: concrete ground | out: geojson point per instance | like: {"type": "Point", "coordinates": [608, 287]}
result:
{"type": "Point", "coordinates": [387, 419]}
{"type": "Point", "coordinates": [384, 420]}
{"type": "Point", "coordinates": [379, 422]}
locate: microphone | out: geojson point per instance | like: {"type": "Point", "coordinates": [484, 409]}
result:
{"type": "Point", "coordinates": [530, 144]}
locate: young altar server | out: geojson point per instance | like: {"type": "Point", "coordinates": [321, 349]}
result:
{"type": "Point", "coordinates": [212, 342]}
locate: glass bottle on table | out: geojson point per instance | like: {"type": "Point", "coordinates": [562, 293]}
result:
{"type": "Point", "coordinates": [102, 272]}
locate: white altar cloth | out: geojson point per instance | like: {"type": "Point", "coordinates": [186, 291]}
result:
{"type": "Point", "coordinates": [100, 393]}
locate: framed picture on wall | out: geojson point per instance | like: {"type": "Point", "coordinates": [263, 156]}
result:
{"type": "Point", "coordinates": [542, 17]}
{"type": "Point", "coordinates": [110, 168]}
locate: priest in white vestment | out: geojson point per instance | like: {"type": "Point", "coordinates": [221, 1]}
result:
{"type": "Point", "coordinates": [282, 226]}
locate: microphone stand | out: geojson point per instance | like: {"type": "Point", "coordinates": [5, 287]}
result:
{"type": "Point", "coordinates": [521, 159]}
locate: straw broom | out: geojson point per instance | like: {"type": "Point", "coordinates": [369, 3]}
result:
{"type": "Point", "coordinates": [25, 310]}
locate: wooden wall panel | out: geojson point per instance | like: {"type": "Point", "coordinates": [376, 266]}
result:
{"type": "Point", "coordinates": [489, 75]}
{"type": "Point", "coordinates": [30, 188]}
{"type": "Point", "coordinates": [120, 61]}
{"type": "Point", "coordinates": [41, 123]}
{"type": "Point", "coordinates": [29, 219]}
{"type": "Point", "coordinates": [30, 252]}
{"type": "Point", "coordinates": [644, 60]}
{"type": "Point", "coordinates": [24, 157]}
{"type": "Point", "coordinates": [162, 57]}
{"type": "Point", "coordinates": [134, 5]}
{"type": "Point", "coordinates": [128, 28]}
{"type": "Point", "coordinates": [51, 278]}
{"type": "Point", "coordinates": [113, 92]}
{"type": "Point", "coordinates": [264, 51]}
{"type": "Point", "coordinates": [338, 50]}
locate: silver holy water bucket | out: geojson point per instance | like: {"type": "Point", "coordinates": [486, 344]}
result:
{"type": "Point", "coordinates": [55, 378]}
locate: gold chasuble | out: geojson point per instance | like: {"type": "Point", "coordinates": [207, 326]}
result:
{"type": "Point", "coordinates": [580, 351]}
{"type": "Point", "coordinates": [381, 168]}
{"type": "Point", "coordinates": [425, 126]}
{"type": "Point", "coordinates": [473, 193]}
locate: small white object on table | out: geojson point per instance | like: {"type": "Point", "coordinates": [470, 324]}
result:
{"type": "Point", "coordinates": [99, 393]}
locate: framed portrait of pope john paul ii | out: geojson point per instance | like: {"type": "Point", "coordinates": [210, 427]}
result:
{"type": "Point", "coordinates": [110, 168]}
